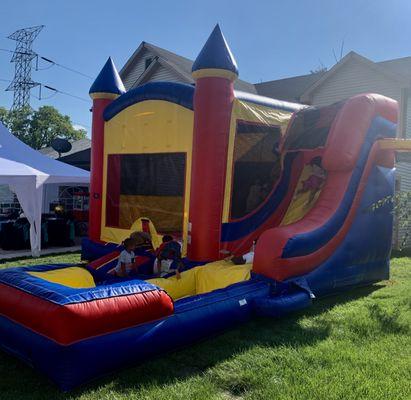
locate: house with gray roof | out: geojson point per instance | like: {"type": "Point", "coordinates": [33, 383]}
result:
{"type": "Point", "coordinates": [352, 75]}
{"type": "Point", "coordinates": [150, 63]}
{"type": "Point", "coordinates": [79, 155]}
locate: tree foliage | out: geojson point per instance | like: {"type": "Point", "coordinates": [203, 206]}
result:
{"type": "Point", "coordinates": [38, 128]}
{"type": "Point", "coordinates": [400, 203]}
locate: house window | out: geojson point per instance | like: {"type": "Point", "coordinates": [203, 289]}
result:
{"type": "Point", "coordinates": [256, 166]}
{"type": "Point", "coordinates": [146, 185]}
{"type": "Point", "coordinates": [147, 62]}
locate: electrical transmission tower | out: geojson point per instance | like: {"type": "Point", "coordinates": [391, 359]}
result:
{"type": "Point", "coordinates": [23, 57]}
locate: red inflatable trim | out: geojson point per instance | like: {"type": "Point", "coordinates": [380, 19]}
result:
{"type": "Point", "coordinates": [213, 102]}
{"type": "Point", "coordinates": [96, 176]}
{"type": "Point", "coordinates": [74, 322]}
{"type": "Point", "coordinates": [270, 246]}
{"type": "Point", "coordinates": [100, 262]}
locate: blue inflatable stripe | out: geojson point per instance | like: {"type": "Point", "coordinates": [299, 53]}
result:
{"type": "Point", "coordinates": [19, 278]}
{"type": "Point", "coordinates": [283, 304]}
{"type": "Point", "coordinates": [91, 251]}
{"type": "Point", "coordinates": [306, 243]}
{"type": "Point", "coordinates": [182, 94]}
{"type": "Point", "coordinates": [178, 93]}
{"type": "Point", "coordinates": [363, 255]}
{"type": "Point", "coordinates": [238, 229]}
{"type": "Point", "coordinates": [268, 102]}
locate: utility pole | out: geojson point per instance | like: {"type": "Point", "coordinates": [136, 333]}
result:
{"type": "Point", "coordinates": [22, 57]}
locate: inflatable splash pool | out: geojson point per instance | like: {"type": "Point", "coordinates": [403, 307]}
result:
{"type": "Point", "coordinates": [73, 334]}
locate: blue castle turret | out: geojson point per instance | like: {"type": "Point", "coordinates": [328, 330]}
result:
{"type": "Point", "coordinates": [215, 55]}
{"type": "Point", "coordinates": [108, 81]}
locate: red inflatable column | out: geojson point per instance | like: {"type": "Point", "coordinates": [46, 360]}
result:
{"type": "Point", "coordinates": [214, 72]}
{"type": "Point", "coordinates": [104, 90]}
{"type": "Point", "coordinates": [96, 176]}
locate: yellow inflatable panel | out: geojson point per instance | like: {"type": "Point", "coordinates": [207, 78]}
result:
{"type": "Point", "coordinates": [75, 277]}
{"type": "Point", "coordinates": [166, 212]}
{"type": "Point", "coordinates": [250, 112]}
{"type": "Point", "coordinates": [151, 126]}
{"type": "Point", "coordinates": [220, 274]}
{"type": "Point", "coordinates": [178, 288]}
{"type": "Point", "coordinates": [204, 279]}
{"type": "Point", "coordinates": [300, 204]}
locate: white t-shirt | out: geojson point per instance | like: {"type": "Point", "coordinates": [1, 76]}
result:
{"type": "Point", "coordinates": [126, 258]}
{"type": "Point", "coordinates": [162, 267]}
{"type": "Point", "coordinates": [249, 257]}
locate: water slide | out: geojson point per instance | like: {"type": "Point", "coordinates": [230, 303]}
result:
{"type": "Point", "coordinates": [340, 231]}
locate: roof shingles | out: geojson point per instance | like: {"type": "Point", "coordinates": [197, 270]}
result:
{"type": "Point", "coordinates": [183, 65]}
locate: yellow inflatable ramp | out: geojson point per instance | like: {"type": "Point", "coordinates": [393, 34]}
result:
{"type": "Point", "coordinates": [204, 279]}
{"type": "Point", "coordinates": [300, 204]}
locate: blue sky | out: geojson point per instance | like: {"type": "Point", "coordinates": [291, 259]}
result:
{"type": "Point", "coordinates": [270, 39]}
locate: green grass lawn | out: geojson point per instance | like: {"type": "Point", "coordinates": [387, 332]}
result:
{"type": "Point", "coordinates": [355, 345]}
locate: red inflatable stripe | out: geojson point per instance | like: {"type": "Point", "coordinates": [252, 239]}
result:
{"type": "Point", "coordinates": [70, 323]}
{"type": "Point", "coordinates": [100, 262]}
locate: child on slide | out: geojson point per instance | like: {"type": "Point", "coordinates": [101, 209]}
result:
{"type": "Point", "coordinates": [315, 181]}
{"type": "Point", "coordinates": [246, 258]}
{"type": "Point", "coordinates": [168, 257]}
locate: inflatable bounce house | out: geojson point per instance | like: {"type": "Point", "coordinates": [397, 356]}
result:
{"type": "Point", "coordinates": [270, 202]}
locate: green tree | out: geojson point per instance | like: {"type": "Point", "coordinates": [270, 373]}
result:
{"type": "Point", "coordinates": [401, 209]}
{"type": "Point", "coordinates": [38, 128]}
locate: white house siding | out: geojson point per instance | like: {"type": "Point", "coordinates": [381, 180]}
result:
{"type": "Point", "coordinates": [355, 78]}
{"type": "Point", "coordinates": [135, 70]}
{"type": "Point", "coordinates": [402, 233]}
{"type": "Point", "coordinates": [351, 79]}
{"type": "Point", "coordinates": [408, 117]}
{"type": "Point", "coordinates": [161, 73]}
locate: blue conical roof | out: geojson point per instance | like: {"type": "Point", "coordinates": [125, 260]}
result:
{"type": "Point", "coordinates": [108, 80]}
{"type": "Point", "coordinates": [216, 54]}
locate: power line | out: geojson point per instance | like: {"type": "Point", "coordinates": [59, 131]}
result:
{"type": "Point", "coordinates": [65, 67]}
{"type": "Point", "coordinates": [65, 93]}
{"type": "Point", "coordinates": [56, 91]}
{"type": "Point", "coordinates": [52, 64]}
{"type": "Point", "coordinates": [7, 50]}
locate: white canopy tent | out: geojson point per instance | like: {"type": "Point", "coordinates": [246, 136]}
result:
{"type": "Point", "coordinates": [26, 171]}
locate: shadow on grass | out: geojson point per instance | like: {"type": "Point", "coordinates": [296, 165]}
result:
{"type": "Point", "coordinates": [191, 361]}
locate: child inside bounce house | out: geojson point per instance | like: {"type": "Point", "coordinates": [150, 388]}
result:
{"type": "Point", "coordinates": [165, 267]}
{"type": "Point", "coordinates": [139, 258]}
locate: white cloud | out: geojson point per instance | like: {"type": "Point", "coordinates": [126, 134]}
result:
{"type": "Point", "coordinates": [78, 126]}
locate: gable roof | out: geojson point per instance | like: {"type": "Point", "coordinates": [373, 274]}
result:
{"type": "Point", "coordinates": [179, 64]}
{"type": "Point", "coordinates": [296, 87]}
{"type": "Point", "coordinates": [76, 146]}
{"type": "Point", "coordinates": [289, 89]}
{"type": "Point", "coordinates": [400, 66]}
{"type": "Point", "coordinates": [382, 68]}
